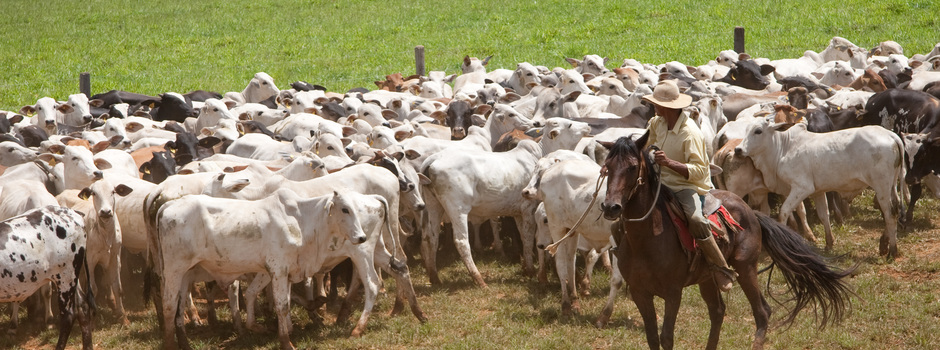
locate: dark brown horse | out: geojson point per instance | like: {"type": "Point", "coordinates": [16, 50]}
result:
{"type": "Point", "coordinates": [653, 262]}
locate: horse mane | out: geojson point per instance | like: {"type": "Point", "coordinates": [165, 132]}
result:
{"type": "Point", "coordinates": [625, 146]}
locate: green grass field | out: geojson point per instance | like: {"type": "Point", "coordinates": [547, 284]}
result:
{"type": "Point", "coordinates": [158, 46]}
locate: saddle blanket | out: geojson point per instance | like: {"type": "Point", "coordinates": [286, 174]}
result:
{"type": "Point", "coordinates": [724, 220]}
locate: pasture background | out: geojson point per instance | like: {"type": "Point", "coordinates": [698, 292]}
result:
{"type": "Point", "coordinates": [158, 46]}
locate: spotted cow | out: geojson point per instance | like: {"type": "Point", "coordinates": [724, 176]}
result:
{"type": "Point", "coordinates": [46, 245]}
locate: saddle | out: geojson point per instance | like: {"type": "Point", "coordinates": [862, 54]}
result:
{"type": "Point", "coordinates": [720, 218]}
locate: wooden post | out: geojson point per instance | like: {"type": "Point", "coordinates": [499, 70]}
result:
{"type": "Point", "coordinates": [739, 39]}
{"type": "Point", "coordinates": [419, 60]}
{"type": "Point", "coordinates": [84, 83]}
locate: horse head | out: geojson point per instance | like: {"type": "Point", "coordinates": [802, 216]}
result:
{"type": "Point", "coordinates": [625, 167]}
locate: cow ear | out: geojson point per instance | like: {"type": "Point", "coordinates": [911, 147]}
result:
{"type": "Point", "coordinates": [133, 127]}
{"type": "Point", "coordinates": [641, 142]}
{"type": "Point", "coordinates": [401, 135]}
{"type": "Point", "coordinates": [16, 118]}
{"type": "Point", "coordinates": [96, 103]}
{"type": "Point", "coordinates": [714, 169]}
{"type": "Point", "coordinates": [346, 141]}
{"type": "Point", "coordinates": [412, 154]}
{"type": "Point", "coordinates": [743, 56]}
{"type": "Point", "coordinates": [781, 126]}
{"type": "Point", "coordinates": [57, 149]}
{"type": "Point", "coordinates": [144, 168]}
{"type": "Point", "coordinates": [440, 116]}
{"type": "Point", "coordinates": [571, 96]}
{"type": "Point", "coordinates": [424, 180]}
{"type": "Point", "coordinates": [587, 76]}
{"type": "Point", "coordinates": [123, 190]}
{"type": "Point", "coordinates": [50, 158]}
{"type": "Point", "coordinates": [511, 97]}
{"type": "Point", "coordinates": [573, 61]}
{"type": "Point", "coordinates": [209, 142]}
{"type": "Point", "coordinates": [482, 109]}
{"type": "Point", "coordinates": [766, 69]}
{"type": "Point", "coordinates": [185, 172]}
{"type": "Point", "coordinates": [398, 155]}
{"type": "Point", "coordinates": [348, 130]}
{"type": "Point", "coordinates": [244, 116]}
{"type": "Point", "coordinates": [85, 194]}
{"type": "Point", "coordinates": [100, 146]}
{"type": "Point", "coordinates": [606, 144]}
{"type": "Point", "coordinates": [65, 108]}
{"type": "Point", "coordinates": [477, 120]}
{"type": "Point", "coordinates": [389, 114]}
{"type": "Point", "coordinates": [102, 164]}
{"type": "Point", "coordinates": [28, 110]}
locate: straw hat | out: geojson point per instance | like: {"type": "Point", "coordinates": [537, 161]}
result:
{"type": "Point", "coordinates": [666, 94]}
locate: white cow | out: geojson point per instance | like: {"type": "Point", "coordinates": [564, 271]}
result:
{"type": "Point", "coordinates": [103, 231]}
{"type": "Point", "coordinates": [260, 88]}
{"type": "Point", "coordinates": [575, 180]}
{"type": "Point", "coordinates": [482, 185]}
{"type": "Point", "coordinates": [11, 153]}
{"type": "Point", "coordinates": [856, 158]}
{"type": "Point", "coordinates": [280, 235]}
{"type": "Point", "coordinates": [44, 114]}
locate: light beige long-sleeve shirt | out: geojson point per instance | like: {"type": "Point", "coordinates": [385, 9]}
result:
{"type": "Point", "coordinates": [685, 144]}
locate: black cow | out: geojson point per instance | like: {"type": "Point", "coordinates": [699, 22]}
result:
{"type": "Point", "coordinates": [188, 148]}
{"type": "Point", "coordinates": [908, 111]}
{"type": "Point", "coordinates": [158, 168]}
{"type": "Point", "coordinates": [459, 117]}
{"type": "Point", "coordinates": [169, 106]}
{"type": "Point", "coordinates": [748, 74]}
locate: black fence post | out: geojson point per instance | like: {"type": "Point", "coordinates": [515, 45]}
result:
{"type": "Point", "coordinates": [84, 83]}
{"type": "Point", "coordinates": [419, 60]}
{"type": "Point", "coordinates": [739, 39]}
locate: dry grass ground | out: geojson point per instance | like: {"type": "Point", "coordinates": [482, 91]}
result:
{"type": "Point", "coordinates": [897, 307]}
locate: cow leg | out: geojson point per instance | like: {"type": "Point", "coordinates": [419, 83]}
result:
{"type": "Point", "coordinates": [352, 291]}
{"type": "Point", "coordinates": [117, 289]}
{"type": "Point", "coordinates": [232, 292]}
{"type": "Point", "coordinates": [916, 192]}
{"type": "Point", "coordinates": [822, 210]}
{"type": "Point", "coordinates": [190, 310]}
{"type": "Point", "coordinates": [525, 224]}
{"type": "Point", "coordinates": [429, 243]}
{"type": "Point", "coordinates": [281, 287]}
{"type": "Point", "coordinates": [565, 265]}
{"type": "Point", "coordinates": [399, 270]}
{"type": "Point", "coordinates": [616, 282]}
{"type": "Point", "coordinates": [790, 204]}
{"type": "Point", "coordinates": [890, 204]}
{"type": "Point", "coordinates": [66, 312]}
{"type": "Point", "coordinates": [803, 223]}
{"type": "Point", "coordinates": [543, 270]}
{"type": "Point", "coordinates": [261, 280]}
{"type": "Point", "coordinates": [462, 241]}
{"type": "Point", "coordinates": [171, 288]}
{"type": "Point", "coordinates": [14, 317]}
{"type": "Point", "coordinates": [477, 241]}
{"type": "Point", "coordinates": [590, 259]}
{"type": "Point", "coordinates": [497, 244]}
{"type": "Point", "coordinates": [833, 199]}
{"type": "Point", "coordinates": [370, 280]}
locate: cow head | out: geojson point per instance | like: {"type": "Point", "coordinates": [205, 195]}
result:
{"type": "Point", "coordinates": [551, 104]}
{"type": "Point", "coordinates": [102, 194]}
{"type": "Point", "coordinates": [158, 168]}
{"type": "Point", "coordinates": [759, 137]}
{"type": "Point", "coordinates": [344, 217]}
{"type": "Point", "coordinates": [459, 116]}
{"type": "Point", "coordinates": [748, 74]}
{"type": "Point", "coordinates": [926, 160]}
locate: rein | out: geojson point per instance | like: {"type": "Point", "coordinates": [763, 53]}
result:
{"type": "Point", "coordinates": [639, 181]}
{"type": "Point", "coordinates": [552, 248]}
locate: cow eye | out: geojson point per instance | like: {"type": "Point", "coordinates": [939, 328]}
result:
{"type": "Point", "coordinates": [264, 83]}
{"type": "Point", "coordinates": [758, 131]}
{"type": "Point", "coordinates": [551, 105]}
{"type": "Point", "coordinates": [10, 150]}
{"type": "Point", "coordinates": [345, 211]}
{"type": "Point", "coordinates": [215, 109]}
{"type": "Point", "coordinates": [329, 148]}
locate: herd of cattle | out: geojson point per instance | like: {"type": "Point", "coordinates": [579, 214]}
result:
{"type": "Point", "coordinates": [276, 187]}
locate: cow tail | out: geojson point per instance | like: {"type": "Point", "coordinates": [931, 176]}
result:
{"type": "Point", "coordinates": [89, 294]}
{"type": "Point", "coordinates": [901, 171]}
{"type": "Point", "coordinates": [388, 226]}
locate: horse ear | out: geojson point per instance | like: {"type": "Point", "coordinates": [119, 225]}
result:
{"type": "Point", "coordinates": [641, 142]}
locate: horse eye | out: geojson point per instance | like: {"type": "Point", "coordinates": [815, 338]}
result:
{"type": "Point", "coordinates": [345, 211]}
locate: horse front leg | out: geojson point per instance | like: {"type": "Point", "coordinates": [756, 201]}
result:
{"type": "Point", "coordinates": [716, 311]}
{"type": "Point", "coordinates": [644, 304]}
{"type": "Point", "coordinates": [670, 313]}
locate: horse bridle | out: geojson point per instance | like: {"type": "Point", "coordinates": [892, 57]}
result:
{"type": "Point", "coordinates": [639, 181]}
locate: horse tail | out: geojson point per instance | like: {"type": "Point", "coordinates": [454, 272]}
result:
{"type": "Point", "coordinates": [811, 278]}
